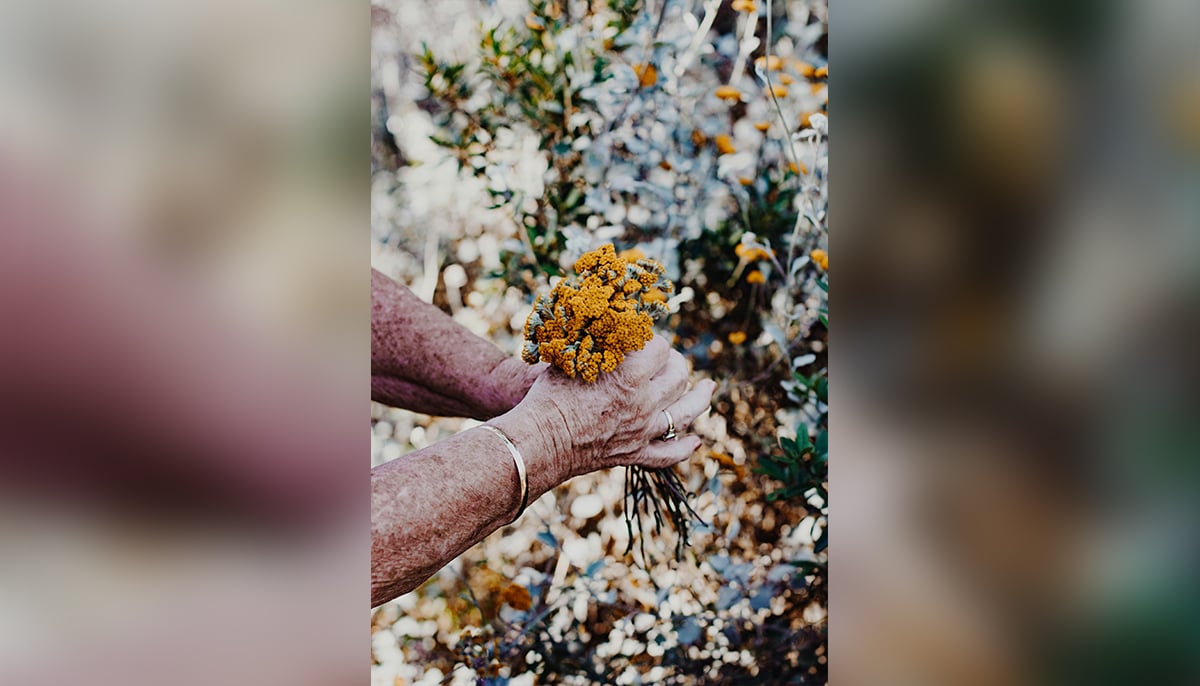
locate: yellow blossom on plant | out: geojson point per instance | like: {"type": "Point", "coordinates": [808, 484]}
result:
{"type": "Point", "coordinates": [647, 74]}
{"type": "Point", "coordinates": [779, 91]}
{"type": "Point", "coordinates": [737, 337]}
{"type": "Point", "coordinates": [786, 79]}
{"type": "Point", "coordinates": [751, 253]}
{"type": "Point", "coordinates": [762, 125]}
{"type": "Point", "coordinates": [725, 144]}
{"type": "Point", "coordinates": [802, 169]}
{"type": "Point", "coordinates": [774, 63]}
{"type": "Point", "coordinates": [743, 6]}
{"type": "Point", "coordinates": [728, 92]}
{"type": "Point", "coordinates": [820, 258]}
{"type": "Point", "coordinates": [756, 277]}
{"type": "Point", "coordinates": [745, 180]}
{"type": "Point", "coordinates": [821, 72]}
{"type": "Point", "coordinates": [803, 68]}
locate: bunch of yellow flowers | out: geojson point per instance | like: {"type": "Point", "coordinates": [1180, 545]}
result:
{"type": "Point", "coordinates": [590, 321]}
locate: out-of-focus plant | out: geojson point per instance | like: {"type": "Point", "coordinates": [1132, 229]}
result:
{"type": "Point", "coordinates": [526, 86]}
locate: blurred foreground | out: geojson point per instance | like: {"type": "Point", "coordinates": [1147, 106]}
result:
{"type": "Point", "coordinates": [183, 291]}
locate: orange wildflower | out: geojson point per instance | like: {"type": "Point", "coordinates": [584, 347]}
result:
{"type": "Point", "coordinates": [774, 63]}
{"type": "Point", "coordinates": [802, 169]}
{"type": "Point", "coordinates": [725, 144]}
{"type": "Point", "coordinates": [779, 91]}
{"type": "Point", "coordinates": [803, 68]}
{"type": "Point", "coordinates": [821, 72]}
{"type": "Point", "coordinates": [756, 277]}
{"type": "Point", "coordinates": [786, 79]}
{"type": "Point", "coordinates": [647, 74]}
{"type": "Point", "coordinates": [751, 253]}
{"type": "Point", "coordinates": [728, 93]}
{"type": "Point", "coordinates": [737, 337]}
{"type": "Point", "coordinates": [762, 125]}
{"type": "Point", "coordinates": [743, 6]}
{"type": "Point", "coordinates": [820, 258]}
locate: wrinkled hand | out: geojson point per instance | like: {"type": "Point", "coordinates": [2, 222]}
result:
{"type": "Point", "coordinates": [512, 379]}
{"type": "Point", "coordinates": [619, 419]}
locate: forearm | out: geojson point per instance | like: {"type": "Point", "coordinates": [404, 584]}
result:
{"type": "Point", "coordinates": [431, 505]}
{"type": "Point", "coordinates": [423, 360]}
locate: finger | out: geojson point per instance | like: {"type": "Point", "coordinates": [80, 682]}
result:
{"type": "Point", "coordinates": [643, 364]}
{"type": "Point", "coordinates": [671, 381]}
{"type": "Point", "coordinates": [659, 454]}
{"type": "Point", "coordinates": [685, 410]}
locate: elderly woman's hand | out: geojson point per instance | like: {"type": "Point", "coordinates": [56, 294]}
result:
{"type": "Point", "coordinates": [619, 419]}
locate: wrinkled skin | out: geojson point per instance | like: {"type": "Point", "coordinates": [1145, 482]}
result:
{"type": "Point", "coordinates": [431, 505]}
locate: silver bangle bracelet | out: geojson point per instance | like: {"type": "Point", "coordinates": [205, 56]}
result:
{"type": "Point", "coordinates": [520, 463]}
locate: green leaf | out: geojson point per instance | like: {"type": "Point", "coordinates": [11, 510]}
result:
{"type": "Point", "coordinates": [822, 541]}
{"type": "Point", "coordinates": [790, 447]}
{"type": "Point", "coordinates": [771, 468]}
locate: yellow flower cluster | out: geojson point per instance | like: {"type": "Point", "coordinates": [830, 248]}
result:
{"type": "Point", "coordinates": [589, 322]}
{"type": "Point", "coordinates": [751, 253]}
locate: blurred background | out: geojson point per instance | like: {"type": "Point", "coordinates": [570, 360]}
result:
{"type": "Point", "coordinates": [1015, 221]}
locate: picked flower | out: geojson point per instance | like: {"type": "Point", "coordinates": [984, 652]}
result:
{"type": "Point", "coordinates": [590, 321]}
{"type": "Point", "coordinates": [585, 327]}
